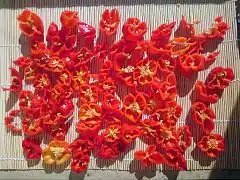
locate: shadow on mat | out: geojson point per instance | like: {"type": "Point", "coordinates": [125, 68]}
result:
{"type": "Point", "coordinates": [15, 4]}
{"type": "Point", "coordinates": [231, 158]}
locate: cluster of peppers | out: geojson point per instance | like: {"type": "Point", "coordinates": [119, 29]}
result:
{"type": "Point", "coordinates": [125, 89]}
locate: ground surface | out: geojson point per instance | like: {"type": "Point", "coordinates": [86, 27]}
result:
{"type": "Point", "coordinates": [119, 175]}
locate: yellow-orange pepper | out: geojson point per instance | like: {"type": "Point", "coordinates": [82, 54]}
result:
{"type": "Point", "coordinates": [57, 152]}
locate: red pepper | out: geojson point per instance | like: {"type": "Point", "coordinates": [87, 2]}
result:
{"type": "Point", "coordinates": [211, 57]}
{"type": "Point", "coordinates": [84, 145]}
{"type": "Point", "coordinates": [23, 62]}
{"type": "Point", "coordinates": [204, 116]}
{"type": "Point", "coordinates": [80, 162]}
{"type": "Point", "coordinates": [57, 131]}
{"type": "Point", "coordinates": [179, 46]}
{"type": "Point", "coordinates": [88, 128]}
{"type": "Point", "coordinates": [32, 149]}
{"type": "Point", "coordinates": [206, 95]}
{"type": "Point", "coordinates": [69, 19]}
{"type": "Point", "coordinates": [165, 90]}
{"type": "Point", "coordinates": [162, 33]}
{"type": "Point", "coordinates": [52, 31]}
{"type": "Point", "coordinates": [80, 77]}
{"type": "Point", "coordinates": [90, 111]}
{"type": "Point", "coordinates": [59, 45]}
{"type": "Point", "coordinates": [66, 108]}
{"type": "Point", "coordinates": [110, 21]}
{"type": "Point", "coordinates": [149, 127]}
{"type": "Point", "coordinates": [56, 64]}
{"type": "Point", "coordinates": [133, 29]}
{"type": "Point", "coordinates": [134, 106]}
{"type": "Point", "coordinates": [117, 47]}
{"type": "Point", "coordinates": [218, 29]}
{"type": "Point", "coordinates": [151, 49]}
{"type": "Point", "coordinates": [65, 78]}
{"type": "Point", "coordinates": [32, 126]}
{"type": "Point", "coordinates": [169, 114]}
{"type": "Point", "coordinates": [57, 93]}
{"type": "Point", "coordinates": [41, 81]}
{"type": "Point", "coordinates": [110, 150]}
{"type": "Point", "coordinates": [87, 33]}
{"type": "Point", "coordinates": [52, 119]}
{"type": "Point", "coordinates": [125, 61]}
{"type": "Point", "coordinates": [145, 71]}
{"type": "Point", "coordinates": [88, 93]}
{"type": "Point", "coordinates": [16, 82]}
{"type": "Point", "coordinates": [25, 99]}
{"type": "Point", "coordinates": [124, 67]}
{"type": "Point", "coordinates": [185, 138]}
{"type": "Point", "coordinates": [106, 152]}
{"type": "Point", "coordinates": [82, 57]}
{"type": "Point", "coordinates": [106, 68]}
{"type": "Point", "coordinates": [9, 121]}
{"type": "Point", "coordinates": [69, 64]}
{"type": "Point", "coordinates": [99, 53]}
{"type": "Point", "coordinates": [38, 106]}
{"type": "Point", "coordinates": [30, 23]}
{"type": "Point", "coordinates": [167, 137]}
{"type": "Point", "coordinates": [175, 158]}
{"type": "Point", "coordinates": [112, 133]}
{"type": "Point", "coordinates": [219, 78]}
{"type": "Point", "coordinates": [41, 58]}
{"type": "Point", "coordinates": [189, 64]}
{"type": "Point", "coordinates": [166, 63]}
{"type": "Point", "coordinates": [112, 117]}
{"type": "Point", "coordinates": [108, 86]}
{"type": "Point", "coordinates": [150, 156]}
{"type": "Point", "coordinates": [187, 28]}
{"type": "Point", "coordinates": [211, 144]}
{"type": "Point", "coordinates": [128, 133]}
{"type": "Point", "coordinates": [30, 73]}
{"type": "Point", "coordinates": [37, 47]}
{"type": "Point", "coordinates": [153, 103]}
{"type": "Point", "coordinates": [110, 102]}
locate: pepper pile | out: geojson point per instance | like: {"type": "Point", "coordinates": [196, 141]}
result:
{"type": "Point", "coordinates": [116, 83]}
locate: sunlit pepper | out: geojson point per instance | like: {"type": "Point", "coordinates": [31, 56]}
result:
{"type": "Point", "coordinates": [57, 152]}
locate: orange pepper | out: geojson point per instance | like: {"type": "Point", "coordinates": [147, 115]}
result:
{"type": "Point", "coordinates": [58, 152]}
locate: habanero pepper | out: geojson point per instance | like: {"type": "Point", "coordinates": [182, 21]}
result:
{"type": "Point", "coordinates": [110, 102]}
{"type": "Point", "coordinates": [10, 125]}
{"type": "Point", "coordinates": [133, 29]}
{"type": "Point", "coordinates": [16, 82]}
{"type": "Point", "coordinates": [80, 162]}
{"type": "Point", "coordinates": [69, 19]}
{"type": "Point", "coordinates": [134, 106]}
{"type": "Point", "coordinates": [205, 94]}
{"type": "Point", "coordinates": [23, 62]}
{"type": "Point", "coordinates": [32, 149]}
{"type": "Point", "coordinates": [57, 152]}
{"type": "Point", "coordinates": [212, 145]}
{"type": "Point", "coordinates": [149, 156]}
{"type": "Point", "coordinates": [109, 22]}
{"type": "Point", "coordinates": [145, 71]}
{"type": "Point", "coordinates": [219, 78]}
{"type": "Point", "coordinates": [204, 116]}
{"type": "Point", "coordinates": [90, 111]}
{"type": "Point", "coordinates": [86, 33]}
{"type": "Point", "coordinates": [89, 128]}
{"type": "Point", "coordinates": [30, 23]}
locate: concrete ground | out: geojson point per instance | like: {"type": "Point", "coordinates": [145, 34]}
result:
{"type": "Point", "coordinates": [119, 175]}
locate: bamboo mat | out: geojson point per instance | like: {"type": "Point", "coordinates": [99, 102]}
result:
{"type": "Point", "coordinates": [154, 13]}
